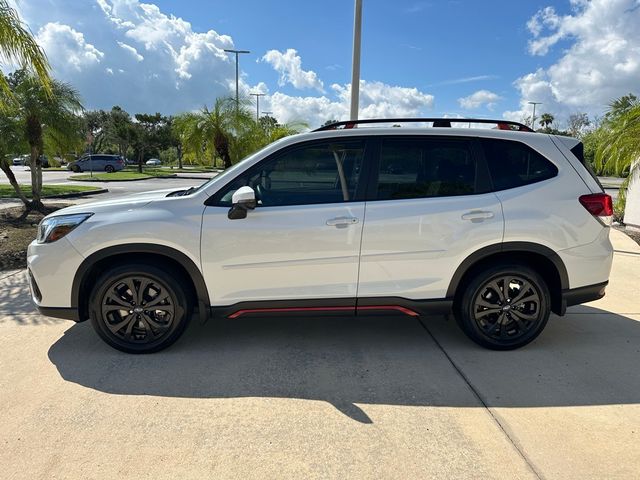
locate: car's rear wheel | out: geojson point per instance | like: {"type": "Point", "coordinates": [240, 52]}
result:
{"type": "Point", "coordinates": [504, 307]}
{"type": "Point", "coordinates": [139, 308]}
{"type": "Point", "coordinates": [109, 169]}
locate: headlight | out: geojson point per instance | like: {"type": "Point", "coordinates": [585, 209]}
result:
{"type": "Point", "coordinates": [54, 228]}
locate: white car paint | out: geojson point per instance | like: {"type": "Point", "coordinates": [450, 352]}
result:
{"type": "Point", "coordinates": [407, 248]}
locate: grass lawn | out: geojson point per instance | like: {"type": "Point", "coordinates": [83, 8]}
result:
{"type": "Point", "coordinates": [120, 176]}
{"type": "Point", "coordinates": [7, 191]}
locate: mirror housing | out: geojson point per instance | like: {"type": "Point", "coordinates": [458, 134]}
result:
{"type": "Point", "coordinates": [243, 199]}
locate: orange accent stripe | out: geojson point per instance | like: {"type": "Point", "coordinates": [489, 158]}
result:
{"type": "Point", "coordinates": [289, 309]}
{"type": "Point", "coordinates": [398, 308]}
{"type": "Point", "coordinates": [406, 311]}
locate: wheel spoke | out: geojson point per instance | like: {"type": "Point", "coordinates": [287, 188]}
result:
{"type": "Point", "coordinates": [496, 288]}
{"type": "Point", "coordinates": [481, 302]}
{"type": "Point", "coordinates": [116, 327]}
{"type": "Point", "coordinates": [148, 328]}
{"type": "Point", "coordinates": [165, 308]}
{"type": "Point", "coordinates": [526, 291]}
{"type": "Point", "coordinates": [525, 316]}
{"type": "Point", "coordinates": [495, 325]}
{"type": "Point", "coordinates": [144, 283]}
{"type": "Point", "coordinates": [521, 325]}
{"type": "Point", "coordinates": [115, 298]}
{"type": "Point", "coordinates": [487, 312]}
{"type": "Point", "coordinates": [156, 301]}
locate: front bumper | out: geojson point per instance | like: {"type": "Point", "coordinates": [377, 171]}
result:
{"type": "Point", "coordinates": [51, 270]}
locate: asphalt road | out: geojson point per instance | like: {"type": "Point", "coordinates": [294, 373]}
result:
{"type": "Point", "coordinates": [325, 398]}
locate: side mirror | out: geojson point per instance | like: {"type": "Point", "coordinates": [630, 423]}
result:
{"type": "Point", "coordinates": [243, 199]}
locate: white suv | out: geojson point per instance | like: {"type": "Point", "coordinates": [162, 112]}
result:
{"type": "Point", "coordinates": [501, 226]}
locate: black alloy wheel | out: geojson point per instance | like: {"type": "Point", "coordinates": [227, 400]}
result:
{"type": "Point", "coordinates": [505, 307]}
{"type": "Point", "coordinates": [139, 308]}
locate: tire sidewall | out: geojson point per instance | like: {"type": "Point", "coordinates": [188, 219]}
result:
{"type": "Point", "coordinates": [168, 281]}
{"type": "Point", "coordinates": [467, 314]}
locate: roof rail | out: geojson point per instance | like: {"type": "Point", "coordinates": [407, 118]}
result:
{"type": "Point", "coordinates": [437, 122]}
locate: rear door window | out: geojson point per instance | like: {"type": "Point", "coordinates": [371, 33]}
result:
{"type": "Point", "coordinates": [513, 164]}
{"type": "Point", "coordinates": [422, 168]}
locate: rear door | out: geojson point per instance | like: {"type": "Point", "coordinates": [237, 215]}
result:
{"type": "Point", "coordinates": [429, 207]}
{"type": "Point", "coordinates": [302, 241]}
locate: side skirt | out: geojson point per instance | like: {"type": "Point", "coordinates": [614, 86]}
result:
{"type": "Point", "coordinates": [337, 307]}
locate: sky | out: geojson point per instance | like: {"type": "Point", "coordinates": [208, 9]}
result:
{"type": "Point", "coordinates": [419, 58]}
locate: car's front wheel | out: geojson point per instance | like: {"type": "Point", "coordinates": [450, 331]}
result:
{"type": "Point", "coordinates": [139, 308]}
{"type": "Point", "coordinates": [504, 307]}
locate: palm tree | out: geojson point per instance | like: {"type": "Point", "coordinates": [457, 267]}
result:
{"type": "Point", "coordinates": [43, 115]}
{"type": "Point", "coordinates": [546, 119]}
{"type": "Point", "coordinates": [619, 149]}
{"type": "Point", "coordinates": [17, 46]}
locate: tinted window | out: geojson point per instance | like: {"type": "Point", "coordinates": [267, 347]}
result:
{"type": "Point", "coordinates": [513, 164]}
{"type": "Point", "coordinates": [317, 173]}
{"type": "Point", "coordinates": [426, 168]}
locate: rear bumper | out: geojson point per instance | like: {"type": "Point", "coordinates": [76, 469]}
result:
{"type": "Point", "coordinates": [588, 293]}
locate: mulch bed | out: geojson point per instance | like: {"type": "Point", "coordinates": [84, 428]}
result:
{"type": "Point", "coordinates": [16, 235]}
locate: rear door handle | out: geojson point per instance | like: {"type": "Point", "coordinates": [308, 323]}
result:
{"type": "Point", "coordinates": [342, 221]}
{"type": "Point", "coordinates": [477, 215]}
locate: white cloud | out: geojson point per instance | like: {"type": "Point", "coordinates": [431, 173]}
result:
{"type": "Point", "coordinates": [62, 41]}
{"type": "Point", "coordinates": [132, 54]}
{"type": "Point", "coordinates": [289, 66]}
{"type": "Point", "coordinates": [478, 99]}
{"type": "Point", "coordinates": [131, 50]}
{"type": "Point", "coordinates": [602, 61]}
{"type": "Point", "coordinates": [377, 100]}
{"type": "Point", "coordinates": [160, 62]}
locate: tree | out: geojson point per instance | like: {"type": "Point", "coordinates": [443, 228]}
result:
{"type": "Point", "coordinates": [40, 114]}
{"type": "Point", "coordinates": [153, 133]}
{"type": "Point", "coordinates": [622, 105]}
{"type": "Point", "coordinates": [577, 123]}
{"type": "Point", "coordinates": [11, 140]}
{"type": "Point", "coordinates": [619, 148]}
{"type": "Point", "coordinates": [17, 46]}
{"type": "Point", "coordinates": [546, 119]}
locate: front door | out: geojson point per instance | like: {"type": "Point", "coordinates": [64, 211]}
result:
{"type": "Point", "coordinates": [302, 241]}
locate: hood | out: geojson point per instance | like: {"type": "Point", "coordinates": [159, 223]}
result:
{"type": "Point", "coordinates": [127, 202]}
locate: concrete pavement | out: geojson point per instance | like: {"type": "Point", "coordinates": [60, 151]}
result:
{"type": "Point", "coordinates": [325, 398]}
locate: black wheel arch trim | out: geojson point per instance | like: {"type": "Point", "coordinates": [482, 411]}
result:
{"type": "Point", "coordinates": [190, 267]}
{"type": "Point", "coordinates": [506, 247]}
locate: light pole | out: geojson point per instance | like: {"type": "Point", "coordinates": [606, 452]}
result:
{"type": "Point", "coordinates": [355, 63]}
{"type": "Point", "coordinates": [533, 118]}
{"type": "Point", "coordinates": [230, 50]}
{"type": "Point", "coordinates": [257, 95]}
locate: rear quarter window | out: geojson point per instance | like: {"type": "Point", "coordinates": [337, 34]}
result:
{"type": "Point", "coordinates": [513, 164]}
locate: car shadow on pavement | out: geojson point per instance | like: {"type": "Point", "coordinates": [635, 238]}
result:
{"type": "Point", "coordinates": [586, 358]}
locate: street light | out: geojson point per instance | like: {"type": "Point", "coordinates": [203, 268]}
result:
{"type": "Point", "coordinates": [230, 50]}
{"type": "Point", "coordinates": [355, 63]}
{"type": "Point", "coordinates": [258, 95]}
{"type": "Point", "coordinates": [533, 118]}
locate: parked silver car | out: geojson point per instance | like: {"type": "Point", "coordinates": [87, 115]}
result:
{"type": "Point", "coordinates": [97, 163]}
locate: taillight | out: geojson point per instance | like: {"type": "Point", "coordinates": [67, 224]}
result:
{"type": "Point", "coordinates": [599, 205]}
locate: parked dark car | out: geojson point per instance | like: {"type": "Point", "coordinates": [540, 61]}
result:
{"type": "Point", "coordinates": [97, 163]}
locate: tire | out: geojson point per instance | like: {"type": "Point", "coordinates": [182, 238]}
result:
{"type": "Point", "coordinates": [109, 169]}
{"type": "Point", "coordinates": [488, 318]}
{"type": "Point", "coordinates": [132, 328]}
{"type": "Point", "coordinates": [76, 169]}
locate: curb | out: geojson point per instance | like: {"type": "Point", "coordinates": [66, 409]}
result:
{"type": "Point", "coordinates": [76, 194]}
{"type": "Point", "coordinates": [193, 178]}
{"type": "Point", "coordinates": [123, 180]}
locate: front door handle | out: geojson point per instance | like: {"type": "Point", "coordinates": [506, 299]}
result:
{"type": "Point", "coordinates": [477, 215]}
{"type": "Point", "coordinates": [342, 221]}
